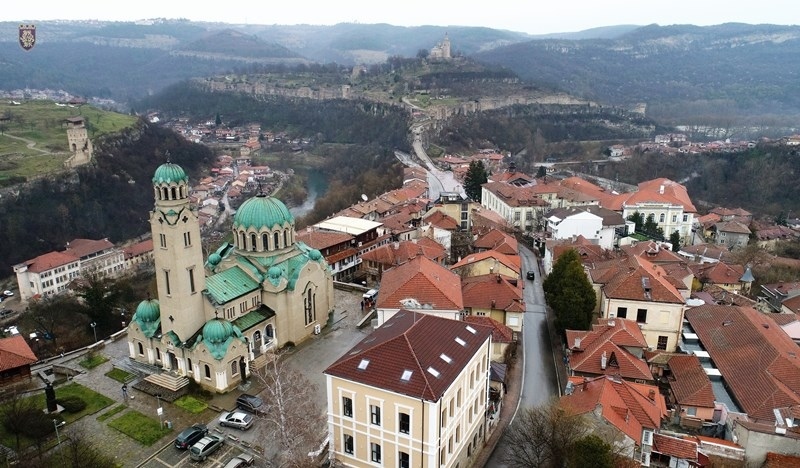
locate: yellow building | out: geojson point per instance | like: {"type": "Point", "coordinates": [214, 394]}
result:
{"type": "Point", "coordinates": [412, 393]}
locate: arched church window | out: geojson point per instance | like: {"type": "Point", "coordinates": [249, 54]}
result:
{"type": "Point", "coordinates": [141, 350]}
{"type": "Point", "coordinates": [243, 242]}
{"type": "Point", "coordinates": [275, 241]}
{"type": "Point", "coordinates": [164, 193]}
{"type": "Point", "coordinates": [264, 242]}
{"type": "Point", "coordinates": [174, 193]}
{"type": "Point", "coordinates": [285, 238]}
{"type": "Point", "coordinates": [207, 371]}
{"type": "Point", "coordinates": [270, 332]}
{"type": "Point", "coordinates": [309, 305]}
{"type": "Point", "coordinates": [252, 242]}
{"type": "Point", "coordinates": [234, 368]}
{"type": "Point", "coordinates": [158, 354]}
{"type": "Point", "coordinates": [189, 365]}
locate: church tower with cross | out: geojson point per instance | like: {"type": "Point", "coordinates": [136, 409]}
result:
{"type": "Point", "coordinates": [216, 319]}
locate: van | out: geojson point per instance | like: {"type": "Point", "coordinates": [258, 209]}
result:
{"type": "Point", "coordinates": [371, 295]}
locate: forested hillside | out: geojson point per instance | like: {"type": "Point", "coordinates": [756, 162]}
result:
{"type": "Point", "coordinates": [111, 198]}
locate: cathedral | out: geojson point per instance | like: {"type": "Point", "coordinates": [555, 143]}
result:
{"type": "Point", "coordinates": [215, 318]}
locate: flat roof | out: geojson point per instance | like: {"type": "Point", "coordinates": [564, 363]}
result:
{"type": "Point", "coordinates": [346, 224]}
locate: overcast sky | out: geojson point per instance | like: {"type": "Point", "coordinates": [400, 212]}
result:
{"type": "Point", "coordinates": [530, 16]}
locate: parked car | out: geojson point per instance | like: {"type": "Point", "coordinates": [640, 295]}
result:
{"type": "Point", "coordinates": [243, 459]}
{"type": "Point", "coordinates": [205, 447]}
{"type": "Point", "coordinates": [8, 293]}
{"type": "Point", "coordinates": [190, 435]}
{"type": "Point", "coordinates": [236, 419]}
{"type": "Point", "coordinates": [530, 275]}
{"type": "Point", "coordinates": [250, 403]}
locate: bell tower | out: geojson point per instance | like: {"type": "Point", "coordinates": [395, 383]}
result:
{"type": "Point", "coordinates": [178, 253]}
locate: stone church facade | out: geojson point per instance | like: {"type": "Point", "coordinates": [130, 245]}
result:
{"type": "Point", "coordinates": [215, 319]}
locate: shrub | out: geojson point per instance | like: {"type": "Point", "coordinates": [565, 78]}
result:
{"type": "Point", "coordinates": [72, 404]}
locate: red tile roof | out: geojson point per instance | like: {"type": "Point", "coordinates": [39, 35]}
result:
{"type": "Point", "coordinates": [441, 220]}
{"type": "Point", "coordinates": [84, 247]}
{"type": "Point", "coordinates": [15, 352]}
{"type": "Point", "coordinates": [674, 447]}
{"type": "Point", "coordinates": [492, 292]}
{"type": "Point", "coordinates": [691, 386]}
{"type": "Point", "coordinates": [625, 405]}
{"type": "Point", "coordinates": [609, 338]}
{"type": "Point", "coordinates": [717, 273]}
{"type": "Point", "coordinates": [49, 261]}
{"type": "Point", "coordinates": [628, 279]}
{"type": "Point", "coordinates": [425, 281]}
{"type": "Point", "coordinates": [397, 253]}
{"type": "Point", "coordinates": [651, 191]}
{"type": "Point", "coordinates": [415, 343]}
{"type": "Point", "coordinates": [511, 261]}
{"type": "Point", "coordinates": [757, 359]}
{"type": "Point", "coordinates": [323, 239]}
{"type": "Point", "coordinates": [499, 241]}
{"type": "Point", "coordinates": [500, 332]}
{"type": "Point", "coordinates": [653, 252]}
{"type": "Point", "coordinates": [138, 248]}
{"type": "Point", "coordinates": [779, 460]}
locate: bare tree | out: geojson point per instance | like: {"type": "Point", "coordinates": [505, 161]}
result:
{"type": "Point", "coordinates": [541, 436]}
{"type": "Point", "coordinates": [292, 415]}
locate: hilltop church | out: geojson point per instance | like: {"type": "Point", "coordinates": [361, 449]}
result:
{"type": "Point", "coordinates": [215, 319]}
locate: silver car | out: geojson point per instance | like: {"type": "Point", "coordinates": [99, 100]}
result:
{"type": "Point", "coordinates": [243, 459]}
{"type": "Point", "coordinates": [236, 419]}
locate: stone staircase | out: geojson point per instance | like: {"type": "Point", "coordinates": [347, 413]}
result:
{"type": "Point", "coordinates": [169, 381]}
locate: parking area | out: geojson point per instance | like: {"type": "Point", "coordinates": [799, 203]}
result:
{"type": "Point", "coordinates": [171, 457]}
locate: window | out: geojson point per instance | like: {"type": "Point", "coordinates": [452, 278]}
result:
{"type": "Point", "coordinates": [141, 350]}
{"type": "Point", "coordinates": [674, 218]}
{"type": "Point", "coordinates": [207, 371]}
{"type": "Point", "coordinates": [189, 365]}
{"type": "Point", "coordinates": [166, 281]}
{"type": "Point", "coordinates": [661, 218]}
{"type": "Point", "coordinates": [404, 423]}
{"type": "Point", "coordinates": [265, 242]}
{"type": "Point", "coordinates": [275, 241]}
{"type": "Point", "coordinates": [253, 242]}
{"type": "Point", "coordinates": [516, 216]}
{"type": "Point", "coordinates": [622, 312]}
{"type": "Point", "coordinates": [234, 368]}
{"type": "Point", "coordinates": [187, 239]}
{"type": "Point", "coordinates": [348, 444]}
{"type": "Point", "coordinates": [310, 305]}
{"type": "Point", "coordinates": [191, 280]}
{"type": "Point", "coordinates": [375, 450]}
{"type": "Point", "coordinates": [375, 414]}
{"type": "Point", "coordinates": [403, 460]}
{"type": "Point", "coordinates": [641, 315]}
{"type": "Point", "coordinates": [285, 238]}
{"type": "Point", "coordinates": [692, 411]}
{"type": "Point", "coordinates": [347, 407]}
{"type": "Point", "coordinates": [685, 218]}
{"type": "Point", "coordinates": [163, 239]}
{"type": "Point", "coordinates": [662, 343]}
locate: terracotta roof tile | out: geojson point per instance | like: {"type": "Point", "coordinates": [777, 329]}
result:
{"type": "Point", "coordinates": [510, 261]}
{"type": "Point", "coordinates": [415, 343]}
{"type": "Point", "coordinates": [424, 280]}
{"type": "Point", "coordinates": [717, 273]}
{"type": "Point", "coordinates": [397, 253]}
{"type": "Point", "coordinates": [323, 239]}
{"type": "Point", "coordinates": [138, 248]}
{"type": "Point", "coordinates": [500, 333]}
{"type": "Point", "coordinates": [82, 247]}
{"type": "Point", "coordinates": [630, 280]}
{"type": "Point", "coordinates": [607, 338]}
{"type": "Point", "coordinates": [49, 261]}
{"type": "Point", "coordinates": [498, 240]}
{"type": "Point", "coordinates": [691, 386]}
{"type": "Point", "coordinates": [758, 361]}
{"type": "Point", "coordinates": [15, 352]}
{"type": "Point", "coordinates": [441, 220]}
{"type": "Point", "coordinates": [492, 292]}
{"type": "Point", "coordinates": [674, 447]}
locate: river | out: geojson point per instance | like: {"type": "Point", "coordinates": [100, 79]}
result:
{"type": "Point", "coordinates": [316, 186]}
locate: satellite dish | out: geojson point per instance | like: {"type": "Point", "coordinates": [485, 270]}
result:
{"type": "Point", "coordinates": [364, 197]}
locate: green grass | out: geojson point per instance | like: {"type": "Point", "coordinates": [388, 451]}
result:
{"type": "Point", "coordinates": [191, 404]}
{"type": "Point", "coordinates": [94, 403]}
{"type": "Point", "coordinates": [139, 427]}
{"type": "Point", "coordinates": [120, 375]}
{"type": "Point", "coordinates": [92, 361]}
{"type": "Point", "coordinates": [112, 412]}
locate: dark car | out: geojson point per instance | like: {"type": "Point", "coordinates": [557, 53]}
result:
{"type": "Point", "coordinates": [243, 459]}
{"type": "Point", "coordinates": [530, 275]}
{"type": "Point", "coordinates": [190, 435]}
{"type": "Point", "coordinates": [250, 403]}
{"type": "Point", "coordinates": [205, 447]}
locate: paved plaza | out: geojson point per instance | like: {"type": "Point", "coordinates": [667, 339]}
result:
{"type": "Point", "coordinates": [310, 358]}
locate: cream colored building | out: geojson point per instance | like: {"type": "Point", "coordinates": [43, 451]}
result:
{"type": "Point", "coordinates": [217, 318]}
{"type": "Point", "coordinates": [412, 393]}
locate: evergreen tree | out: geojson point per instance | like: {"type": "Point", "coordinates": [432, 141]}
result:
{"type": "Point", "coordinates": [590, 450]}
{"type": "Point", "coordinates": [675, 240]}
{"type": "Point", "coordinates": [218, 120]}
{"type": "Point", "coordinates": [541, 172]}
{"type": "Point", "coordinates": [476, 176]}
{"type": "Point", "coordinates": [638, 221]}
{"type": "Point", "coordinates": [569, 293]}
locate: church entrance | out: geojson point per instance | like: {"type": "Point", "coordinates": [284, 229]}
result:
{"type": "Point", "coordinates": [257, 341]}
{"type": "Point", "coordinates": [172, 361]}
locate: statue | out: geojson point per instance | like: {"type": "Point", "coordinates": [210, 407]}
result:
{"type": "Point", "coordinates": [242, 370]}
{"type": "Point", "coordinates": [50, 396]}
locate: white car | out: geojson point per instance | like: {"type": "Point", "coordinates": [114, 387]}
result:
{"type": "Point", "coordinates": [8, 293]}
{"type": "Point", "coordinates": [236, 419]}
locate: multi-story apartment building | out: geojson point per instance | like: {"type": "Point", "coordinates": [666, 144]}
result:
{"type": "Point", "coordinates": [412, 393]}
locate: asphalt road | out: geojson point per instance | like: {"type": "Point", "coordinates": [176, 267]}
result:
{"type": "Point", "coordinates": [540, 381]}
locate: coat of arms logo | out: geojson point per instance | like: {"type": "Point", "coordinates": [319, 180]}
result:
{"type": "Point", "coordinates": [27, 36]}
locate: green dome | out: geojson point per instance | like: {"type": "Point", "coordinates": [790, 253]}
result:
{"type": "Point", "coordinates": [217, 331]}
{"type": "Point", "coordinates": [168, 173]}
{"type": "Point", "coordinates": [262, 212]}
{"type": "Point", "coordinates": [148, 310]}
{"type": "Point", "coordinates": [274, 272]}
{"type": "Point", "coordinates": [214, 259]}
{"type": "Point", "coordinates": [315, 255]}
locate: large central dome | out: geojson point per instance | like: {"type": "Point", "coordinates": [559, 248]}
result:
{"type": "Point", "coordinates": [262, 212]}
{"type": "Point", "coordinates": [169, 173]}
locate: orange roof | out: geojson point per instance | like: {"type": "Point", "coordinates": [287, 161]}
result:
{"type": "Point", "coordinates": [499, 241]}
{"type": "Point", "coordinates": [492, 292]}
{"type": "Point", "coordinates": [691, 386]}
{"type": "Point", "coordinates": [443, 221]}
{"type": "Point", "coordinates": [49, 261]}
{"type": "Point", "coordinates": [425, 281]}
{"type": "Point", "coordinates": [138, 248]}
{"type": "Point", "coordinates": [321, 240]}
{"type": "Point", "coordinates": [500, 332]}
{"type": "Point", "coordinates": [608, 341]}
{"type": "Point", "coordinates": [511, 261]}
{"type": "Point", "coordinates": [717, 273]}
{"type": "Point", "coordinates": [651, 191]}
{"type": "Point", "coordinates": [685, 449]}
{"type": "Point", "coordinates": [758, 361]}
{"type": "Point", "coordinates": [638, 280]}
{"type": "Point", "coordinates": [626, 405]}
{"type": "Point", "coordinates": [15, 352]}
{"type": "Point", "coordinates": [396, 253]}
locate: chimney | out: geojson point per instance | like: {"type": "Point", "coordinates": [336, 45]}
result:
{"type": "Point", "coordinates": [577, 342]}
{"type": "Point", "coordinates": [661, 189]}
{"type": "Point", "coordinates": [396, 245]}
{"type": "Point", "coordinates": [651, 395]}
{"type": "Point", "coordinates": [499, 279]}
{"type": "Point", "coordinates": [603, 361]}
{"type": "Point", "coordinates": [308, 228]}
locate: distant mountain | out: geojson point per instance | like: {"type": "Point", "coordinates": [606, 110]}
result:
{"type": "Point", "coordinates": [685, 74]}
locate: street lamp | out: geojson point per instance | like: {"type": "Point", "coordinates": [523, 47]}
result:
{"type": "Point", "coordinates": [94, 329]}
{"type": "Point", "coordinates": [56, 424]}
{"type": "Point", "coordinates": [160, 411]}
